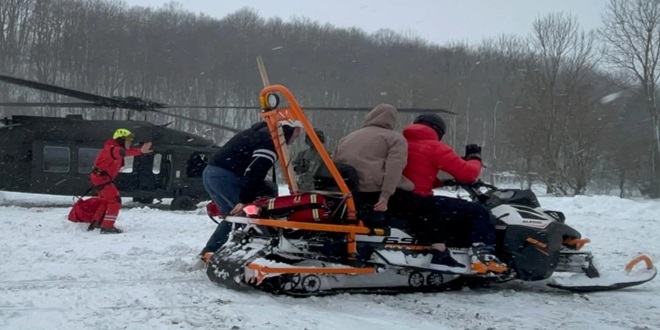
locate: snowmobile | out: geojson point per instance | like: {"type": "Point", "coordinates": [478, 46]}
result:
{"type": "Point", "coordinates": [315, 243]}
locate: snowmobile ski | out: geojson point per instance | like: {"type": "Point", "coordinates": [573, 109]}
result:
{"type": "Point", "coordinates": [608, 281]}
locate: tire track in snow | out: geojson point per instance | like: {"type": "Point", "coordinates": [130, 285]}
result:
{"type": "Point", "coordinates": [48, 284]}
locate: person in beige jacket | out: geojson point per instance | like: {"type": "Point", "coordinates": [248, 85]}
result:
{"type": "Point", "coordinates": [379, 154]}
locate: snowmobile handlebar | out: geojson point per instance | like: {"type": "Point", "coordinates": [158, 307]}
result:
{"type": "Point", "coordinates": [471, 188]}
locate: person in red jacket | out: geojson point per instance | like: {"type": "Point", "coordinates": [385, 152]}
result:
{"type": "Point", "coordinates": [106, 168]}
{"type": "Point", "coordinates": [427, 156]}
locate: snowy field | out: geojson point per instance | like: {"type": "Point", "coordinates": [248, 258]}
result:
{"type": "Point", "coordinates": [56, 275]}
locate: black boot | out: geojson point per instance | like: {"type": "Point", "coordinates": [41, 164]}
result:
{"type": "Point", "coordinates": [443, 261]}
{"type": "Point", "coordinates": [111, 230]}
{"type": "Point", "coordinates": [93, 225]}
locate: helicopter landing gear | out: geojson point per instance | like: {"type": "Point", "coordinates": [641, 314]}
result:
{"type": "Point", "coordinates": [185, 203]}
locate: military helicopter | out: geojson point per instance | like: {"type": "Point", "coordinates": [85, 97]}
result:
{"type": "Point", "coordinates": [54, 155]}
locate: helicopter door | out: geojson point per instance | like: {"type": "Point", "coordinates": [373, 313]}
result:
{"type": "Point", "coordinates": [161, 169]}
{"type": "Point", "coordinates": [53, 170]}
{"type": "Point", "coordinates": [145, 174]}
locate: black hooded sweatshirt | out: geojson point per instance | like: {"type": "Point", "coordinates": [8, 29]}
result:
{"type": "Point", "coordinates": [250, 154]}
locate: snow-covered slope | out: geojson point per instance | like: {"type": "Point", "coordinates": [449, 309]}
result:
{"type": "Point", "coordinates": [56, 275]}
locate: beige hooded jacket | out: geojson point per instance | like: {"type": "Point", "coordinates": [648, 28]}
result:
{"type": "Point", "coordinates": [377, 152]}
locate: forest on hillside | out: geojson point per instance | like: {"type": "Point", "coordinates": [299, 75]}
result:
{"type": "Point", "coordinates": [571, 108]}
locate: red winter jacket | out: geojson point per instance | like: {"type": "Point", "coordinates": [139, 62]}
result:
{"type": "Point", "coordinates": [427, 155]}
{"type": "Point", "coordinates": [110, 159]}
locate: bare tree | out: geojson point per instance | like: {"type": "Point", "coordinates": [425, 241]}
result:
{"type": "Point", "coordinates": [559, 107]}
{"type": "Point", "coordinates": [632, 34]}
{"type": "Point", "coordinates": [503, 61]}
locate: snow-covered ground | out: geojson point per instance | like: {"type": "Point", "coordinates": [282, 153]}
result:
{"type": "Point", "coordinates": [56, 275]}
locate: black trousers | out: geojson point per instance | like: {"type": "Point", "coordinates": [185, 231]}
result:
{"type": "Point", "coordinates": [461, 219]}
{"type": "Point", "coordinates": [437, 219]}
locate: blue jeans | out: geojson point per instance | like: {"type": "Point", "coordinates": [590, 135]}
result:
{"type": "Point", "coordinates": [224, 188]}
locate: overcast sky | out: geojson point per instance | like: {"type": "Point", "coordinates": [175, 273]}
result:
{"type": "Point", "coordinates": [437, 21]}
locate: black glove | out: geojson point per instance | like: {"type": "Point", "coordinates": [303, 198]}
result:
{"type": "Point", "coordinates": [472, 151]}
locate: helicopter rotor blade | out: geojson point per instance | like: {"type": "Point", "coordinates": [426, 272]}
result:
{"type": "Point", "coordinates": [135, 103]}
{"type": "Point", "coordinates": [199, 121]}
{"type": "Point", "coordinates": [365, 109]}
{"type": "Point", "coordinates": [51, 104]}
{"type": "Point", "coordinates": [130, 102]}
{"type": "Point", "coordinates": [101, 100]}
{"type": "Point", "coordinates": [94, 105]}
{"type": "Point", "coordinates": [167, 106]}
{"type": "Point", "coordinates": [315, 108]}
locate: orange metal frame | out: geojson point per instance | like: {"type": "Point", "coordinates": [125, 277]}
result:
{"type": "Point", "coordinates": [311, 270]}
{"type": "Point", "coordinates": [348, 229]}
{"type": "Point", "coordinates": [261, 270]}
{"type": "Point", "coordinates": [294, 112]}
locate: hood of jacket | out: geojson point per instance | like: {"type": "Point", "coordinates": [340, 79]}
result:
{"type": "Point", "coordinates": [383, 115]}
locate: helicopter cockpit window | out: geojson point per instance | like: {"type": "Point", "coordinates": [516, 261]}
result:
{"type": "Point", "coordinates": [196, 165]}
{"type": "Point", "coordinates": [158, 158]}
{"type": "Point", "coordinates": [86, 157]}
{"type": "Point", "coordinates": [128, 165]}
{"type": "Point", "coordinates": [56, 159]}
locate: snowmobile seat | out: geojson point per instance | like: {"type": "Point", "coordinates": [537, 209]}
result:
{"type": "Point", "coordinates": [325, 184]}
{"type": "Point", "coordinates": [324, 181]}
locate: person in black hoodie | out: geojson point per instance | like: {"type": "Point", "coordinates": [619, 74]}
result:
{"type": "Point", "coordinates": [236, 173]}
